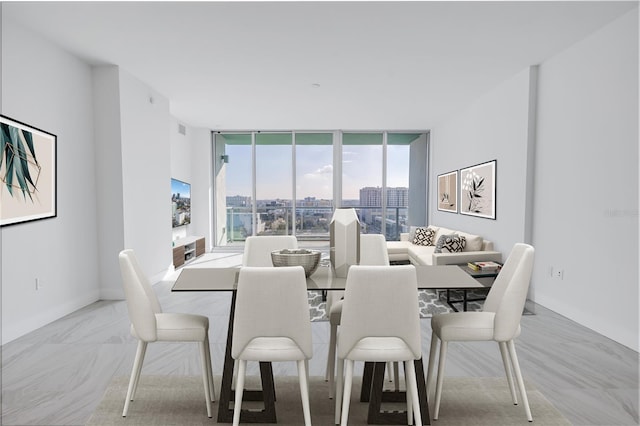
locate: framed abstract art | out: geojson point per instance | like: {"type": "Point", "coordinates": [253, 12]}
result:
{"type": "Point", "coordinates": [448, 192]}
{"type": "Point", "coordinates": [27, 173]}
{"type": "Point", "coordinates": [478, 190]}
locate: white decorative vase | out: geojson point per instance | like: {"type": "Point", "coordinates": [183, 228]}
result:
{"type": "Point", "coordinates": [344, 237]}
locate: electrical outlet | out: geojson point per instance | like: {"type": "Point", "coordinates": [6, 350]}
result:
{"type": "Point", "coordinates": [556, 272]}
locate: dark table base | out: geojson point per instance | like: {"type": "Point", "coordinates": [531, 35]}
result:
{"type": "Point", "coordinates": [372, 392]}
{"type": "Point", "coordinates": [227, 395]}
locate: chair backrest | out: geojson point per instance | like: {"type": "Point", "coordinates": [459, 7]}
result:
{"type": "Point", "coordinates": [272, 302]}
{"type": "Point", "coordinates": [257, 249]}
{"type": "Point", "coordinates": [142, 302]}
{"type": "Point", "coordinates": [373, 250]}
{"type": "Point", "coordinates": [380, 301]}
{"type": "Point", "coordinates": [508, 293]}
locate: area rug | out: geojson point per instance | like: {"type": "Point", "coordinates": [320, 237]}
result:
{"type": "Point", "coordinates": [430, 302]}
{"type": "Point", "coordinates": [179, 400]}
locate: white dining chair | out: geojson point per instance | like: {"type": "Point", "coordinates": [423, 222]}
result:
{"type": "Point", "coordinates": [271, 324]}
{"type": "Point", "coordinates": [150, 324]}
{"type": "Point", "coordinates": [366, 335]}
{"type": "Point", "coordinates": [373, 251]}
{"type": "Point", "coordinates": [499, 321]}
{"type": "Point", "coordinates": [258, 248]}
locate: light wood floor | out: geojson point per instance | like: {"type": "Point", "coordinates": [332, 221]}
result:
{"type": "Point", "coordinates": [57, 375]}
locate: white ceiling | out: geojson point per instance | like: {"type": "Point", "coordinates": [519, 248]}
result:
{"type": "Point", "coordinates": [380, 65]}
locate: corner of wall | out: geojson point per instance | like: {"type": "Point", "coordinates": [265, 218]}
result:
{"type": "Point", "coordinates": [107, 134]}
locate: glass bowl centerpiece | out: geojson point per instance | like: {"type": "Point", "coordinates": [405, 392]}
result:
{"type": "Point", "coordinates": [308, 259]}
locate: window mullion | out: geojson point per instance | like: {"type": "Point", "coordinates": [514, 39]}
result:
{"type": "Point", "coordinates": [254, 202]}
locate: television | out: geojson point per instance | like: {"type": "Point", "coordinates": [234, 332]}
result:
{"type": "Point", "coordinates": [180, 203]}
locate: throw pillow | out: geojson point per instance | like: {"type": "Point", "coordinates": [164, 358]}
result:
{"type": "Point", "coordinates": [412, 232]}
{"type": "Point", "coordinates": [443, 231]}
{"type": "Point", "coordinates": [474, 242]}
{"type": "Point", "coordinates": [450, 244]}
{"type": "Point", "coordinates": [424, 237]}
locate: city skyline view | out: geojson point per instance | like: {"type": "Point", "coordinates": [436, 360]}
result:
{"type": "Point", "coordinates": [265, 175]}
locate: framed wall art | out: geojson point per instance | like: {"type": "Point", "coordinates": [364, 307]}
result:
{"type": "Point", "coordinates": [27, 173]}
{"type": "Point", "coordinates": [448, 192]}
{"type": "Point", "coordinates": [478, 190]}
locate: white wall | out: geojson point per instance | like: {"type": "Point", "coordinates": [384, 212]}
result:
{"type": "Point", "coordinates": [586, 188]}
{"type": "Point", "coordinates": [48, 88]}
{"type": "Point", "coordinates": [202, 189]}
{"type": "Point", "coordinates": [132, 135]}
{"type": "Point", "coordinates": [108, 145]}
{"type": "Point", "coordinates": [580, 206]}
{"type": "Point", "coordinates": [495, 127]}
{"type": "Point", "coordinates": [146, 174]}
{"type": "Point", "coordinates": [191, 162]}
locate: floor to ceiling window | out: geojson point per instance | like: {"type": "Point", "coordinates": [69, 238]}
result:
{"type": "Point", "coordinates": [273, 159]}
{"type": "Point", "coordinates": [288, 183]}
{"type": "Point", "coordinates": [314, 185]}
{"type": "Point", "coordinates": [234, 204]}
{"type": "Point", "coordinates": [362, 173]}
{"type": "Point", "coordinates": [398, 182]}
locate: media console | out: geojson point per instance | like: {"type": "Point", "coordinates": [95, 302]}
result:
{"type": "Point", "coordinates": [186, 249]}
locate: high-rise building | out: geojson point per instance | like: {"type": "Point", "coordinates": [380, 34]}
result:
{"type": "Point", "coordinates": [398, 197]}
{"type": "Point", "coordinates": [372, 197]}
{"type": "Point", "coordinates": [238, 201]}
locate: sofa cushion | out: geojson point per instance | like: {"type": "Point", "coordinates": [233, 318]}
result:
{"type": "Point", "coordinates": [424, 237]}
{"type": "Point", "coordinates": [450, 244]}
{"type": "Point", "coordinates": [412, 231]}
{"type": "Point", "coordinates": [421, 255]}
{"type": "Point", "coordinates": [397, 247]}
{"type": "Point", "coordinates": [443, 231]}
{"type": "Point", "coordinates": [474, 242]}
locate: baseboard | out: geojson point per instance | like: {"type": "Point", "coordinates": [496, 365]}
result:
{"type": "Point", "coordinates": [111, 294]}
{"type": "Point", "coordinates": [12, 332]}
{"type": "Point", "coordinates": [530, 307]}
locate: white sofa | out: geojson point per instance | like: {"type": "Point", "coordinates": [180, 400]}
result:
{"type": "Point", "coordinates": [477, 249]}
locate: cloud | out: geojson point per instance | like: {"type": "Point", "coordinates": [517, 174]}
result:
{"type": "Point", "coordinates": [317, 184]}
{"type": "Point", "coordinates": [328, 169]}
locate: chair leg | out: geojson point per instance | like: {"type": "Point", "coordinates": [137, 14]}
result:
{"type": "Point", "coordinates": [304, 391]}
{"type": "Point", "coordinates": [507, 368]}
{"type": "Point", "coordinates": [205, 375]}
{"type": "Point", "coordinates": [212, 389]}
{"type": "Point", "coordinates": [306, 366]}
{"type": "Point", "coordinates": [346, 397]}
{"type": "Point", "coordinates": [237, 406]}
{"type": "Point", "coordinates": [135, 385]}
{"type": "Point", "coordinates": [441, 362]}
{"type": "Point", "coordinates": [408, 395]}
{"type": "Point", "coordinates": [339, 389]}
{"type": "Point", "coordinates": [135, 375]}
{"type": "Point", "coordinates": [331, 358]}
{"type": "Point", "coordinates": [412, 391]}
{"type": "Point", "coordinates": [516, 367]}
{"type": "Point", "coordinates": [432, 358]}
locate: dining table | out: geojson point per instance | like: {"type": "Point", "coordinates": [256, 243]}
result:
{"type": "Point", "coordinates": [211, 278]}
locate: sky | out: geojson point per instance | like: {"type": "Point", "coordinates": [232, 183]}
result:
{"type": "Point", "coordinates": [182, 188]}
{"type": "Point", "coordinates": [361, 164]}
